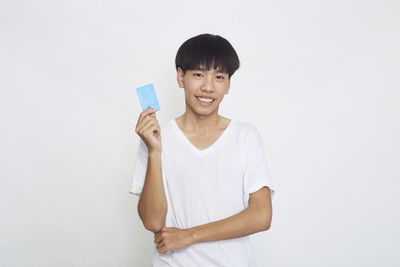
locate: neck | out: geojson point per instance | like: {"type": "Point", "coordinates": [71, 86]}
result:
{"type": "Point", "coordinates": [200, 123]}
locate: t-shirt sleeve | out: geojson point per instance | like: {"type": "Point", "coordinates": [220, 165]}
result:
{"type": "Point", "coordinates": [255, 169]}
{"type": "Point", "coordinates": [139, 173]}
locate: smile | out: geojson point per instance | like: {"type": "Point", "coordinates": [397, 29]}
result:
{"type": "Point", "coordinates": [205, 101]}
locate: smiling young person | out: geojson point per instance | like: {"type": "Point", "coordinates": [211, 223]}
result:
{"type": "Point", "coordinates": [202, 178]}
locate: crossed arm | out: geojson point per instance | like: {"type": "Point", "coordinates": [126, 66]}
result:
{"type": "Point", "coordinates": [256, 218]}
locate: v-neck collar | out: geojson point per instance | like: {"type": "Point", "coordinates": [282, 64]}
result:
{"type": "Point", "coordinates": [194, 148]}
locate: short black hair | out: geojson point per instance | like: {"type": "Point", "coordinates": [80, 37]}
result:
{"type": "Point", "coordinates": [205, 49]}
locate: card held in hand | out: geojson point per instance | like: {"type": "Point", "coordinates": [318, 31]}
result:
{"type": "Point", "coordinates": [147, 97]}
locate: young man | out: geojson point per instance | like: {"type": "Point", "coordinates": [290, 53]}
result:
{"type": "Point", "coordinates": [202, 178]}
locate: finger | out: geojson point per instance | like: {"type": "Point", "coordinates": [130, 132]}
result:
{"type": "Point", "coordinates": [149, 110]}
{"type": "Point", "coordinates": [150, 127]}
{"type": "Point", "coordinates": [161, 246]}
{"type": "Point", "coordinates": [163, 249]}
{"type": "Point", "coordinates": [143, 118]}
{"type": "Point", "coordinates": [144, 114]}
{"type": "Point", "coordinates": [146, 123]}
{"type": "Point", "coordinates": [157, 240]}
{"type": "Point", "coordinates": [153, 114]}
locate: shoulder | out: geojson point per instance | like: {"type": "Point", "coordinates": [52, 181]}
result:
{"type": "Point", "coordinates": [247, 134]}
{"type": "Point", "coordinates": [250, 138]}
{"type": "Point", "coordinates": [247, 129]}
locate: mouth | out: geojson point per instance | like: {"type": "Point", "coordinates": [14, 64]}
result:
{"type": "Point", "coordinates": [205, 101]}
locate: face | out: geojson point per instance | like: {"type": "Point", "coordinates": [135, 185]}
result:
{"type": "Point", "coordinates": [199, 84]}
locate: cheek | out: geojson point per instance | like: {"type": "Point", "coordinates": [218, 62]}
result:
{"type": "Point", "coordinates": [190, 89]}
{"type": "Point", "coordinates": [189, 95]}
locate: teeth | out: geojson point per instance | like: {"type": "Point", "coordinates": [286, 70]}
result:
{"type": "Point", "coordinates": [206, 99]}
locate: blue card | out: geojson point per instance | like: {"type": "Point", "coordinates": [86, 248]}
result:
{"type": "Point", "coordinates": [147, 97]}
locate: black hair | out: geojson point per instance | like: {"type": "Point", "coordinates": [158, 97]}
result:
{"type": "Point", "coordinates": [205, 49]}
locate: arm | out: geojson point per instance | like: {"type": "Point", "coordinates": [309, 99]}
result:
{"type": "Point", "coordinates": [256, 218]}
{"type": "Point", "coordinates": [152, 205]}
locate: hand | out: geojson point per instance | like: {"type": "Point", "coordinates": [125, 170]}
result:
{"type": "Point", "coordinates": [148, 129]}
{"type": "Point", "coordinates": [172, 238]}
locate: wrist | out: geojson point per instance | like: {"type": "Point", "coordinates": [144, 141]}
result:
{"type": "Point", "coordinates": [191, 234]}
{"type": "Point", "coordinates": [154, 152]}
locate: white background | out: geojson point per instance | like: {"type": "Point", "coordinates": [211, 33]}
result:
{"type": "Point", "coordinates": [319, 79]}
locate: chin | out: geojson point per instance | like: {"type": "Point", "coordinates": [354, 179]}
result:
{"type": "Point", "coordinates": [203, 111]}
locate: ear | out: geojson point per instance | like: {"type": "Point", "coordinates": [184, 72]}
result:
{"type": "Point", "coordinates": [179, 77]}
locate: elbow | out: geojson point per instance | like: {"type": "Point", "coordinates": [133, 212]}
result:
{"type": "Point", "coordinates": [266, 221]}
{"type": "Point", "coordinates": [150, 221]}
{"type": "Point", "coordinates": [266, 226]}
{"type": "Point", "coordinates": [155, 228]}
{"type": "Point", "coordinates": [262, 218]}
{"type": "Point", "coordinates": [153, 224]}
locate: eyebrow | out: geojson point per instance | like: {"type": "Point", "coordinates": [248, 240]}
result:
{"type": "Point", "coordinates": [218, 71]}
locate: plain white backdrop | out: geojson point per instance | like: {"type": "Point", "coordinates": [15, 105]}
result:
{"type": "Point", "coordinates": [319, 79]}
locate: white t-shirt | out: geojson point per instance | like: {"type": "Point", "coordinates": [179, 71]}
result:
{"type": "Point", "coordinates": [208, 185]}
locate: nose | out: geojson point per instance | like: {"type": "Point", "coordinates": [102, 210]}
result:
{"type": "Point", "coordinates": [207, 85]}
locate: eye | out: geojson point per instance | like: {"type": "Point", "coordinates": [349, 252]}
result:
{"type": "Point", "coordinates": [220, 77]}
{"type": "Point", "coordinates": [197, 74]}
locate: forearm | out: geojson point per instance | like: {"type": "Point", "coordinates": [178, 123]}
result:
{"type": "Point", "coordinates": [246, 222]}
{"type": "Point", "coordinates": [152, 205]}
